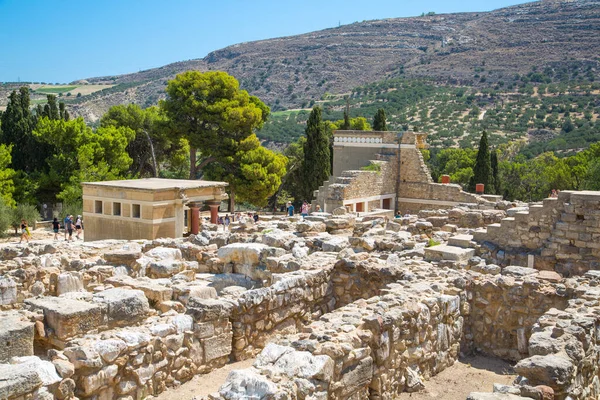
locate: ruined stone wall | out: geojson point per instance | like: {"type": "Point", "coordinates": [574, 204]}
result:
{"type": "Point", "coordinates": [503, 311]}
{"type": "Point", "coordinates": [562, 235]}
{"type": "Point", "coordinates": [375, 348]}
{"type": "Point", "coordinates": [282, 308]}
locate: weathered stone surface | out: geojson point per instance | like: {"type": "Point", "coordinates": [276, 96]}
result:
{"type": "Point", "coordinates": [44, 369]}
{"type": "Point", "coordinates": [68, 318]}
{"type": "Point", "coordinates": [517, 271]}
{"type": "Point", "coordinates": [18, 380]}
{"type": "Point", "coordinates": [551, 370]}
{"type": "Point", "coordinates": [16, 337]}
{"type": "Point", "coordinates": [8, 291]}
{"type": "Point", "coordinates": [247, 384]}
{"type": "Point", "coordinates": [495, 396]}
{"type": "Point", "coordinates": [69, 282]}
{"type": "Point", "coordinates": [124, 306]}
{"type": "Point", "coordinates": [444, 252]}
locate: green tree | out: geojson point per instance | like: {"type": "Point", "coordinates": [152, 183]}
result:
{"type": "Point", "coordinates": [495, 177]}
{"type": "Point", "coordinates": [317, 167]}
{"type": "Point", "coordinates": [346, 124]}
{"type": "Point", "coordinates": [7, 186]}
{"type": "Point", "coordinates": [290, 188]}
{"type": "Point", "coordinates": [153, 146]}
{"type": "Point", "coordinates": [379, 121]}
{"type": "Point", "coordinates": [213, 114]}
{"type": "Point", "coordinates": [17, 126]}
{"type": "Point", "coordinates": [6, 214]}
{"type": "Point", "coordinates": [482, 171]}
{"type": "Point", "coordinates": [26, 212]}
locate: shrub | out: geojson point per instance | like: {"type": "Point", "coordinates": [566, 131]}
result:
{"type": "Point", "coordinates": [25, 212]}
{"type": "Point", "coordinates": [5, 218]}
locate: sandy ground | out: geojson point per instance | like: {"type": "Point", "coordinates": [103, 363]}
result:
{"type": "Point", "coordinates": [203, 385]}
{"type": "Point", "coordinates": [38, 236]}
{"type": "Point", "coordinates": [471, 374]}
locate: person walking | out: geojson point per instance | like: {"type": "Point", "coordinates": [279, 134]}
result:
{"type": "Point", "coordinates": [226, 222]}
{"type": "Point", "coordinates": [25, 234]}
{"type": "Point", "coordinates": [69, 227]}
{"type": "Point", "coordinates": [65, 225]}
{"type": "Point", "coordinates": [78, 226]}
{"type": "Point", "coordinates": [290, 209]}
{"type": "Point", "coordinates": [55, 227]}
{"type": "Point", "coordinates": [304, 209]}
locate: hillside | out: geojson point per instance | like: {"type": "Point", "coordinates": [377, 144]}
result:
{"type": "Point", "coordinates": [471, 49]}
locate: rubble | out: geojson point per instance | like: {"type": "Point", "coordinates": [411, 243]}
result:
{"type": "Point", "coordinates": [333, 306]}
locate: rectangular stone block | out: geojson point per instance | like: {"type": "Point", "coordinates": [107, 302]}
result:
{"type": "Point", "coordinates": [16, 337]}
{"type": "Point", "coordinates": [217, 347]}
{"type": "Point", "coordinates": [68, 318]}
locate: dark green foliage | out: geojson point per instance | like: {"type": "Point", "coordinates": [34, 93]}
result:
{"type": "Point", "coordinates": [25, 212]}
{"type": "Point", "coordinates": [317, 165]}
{"type": "Point", "coordinates": [482, 171]}
{"type": "Point", "coordinates": [497, 184]}
{"type": "Point", "coordinates": [346, 125]}
{"type": "Point", "coordinates": [379, 121]}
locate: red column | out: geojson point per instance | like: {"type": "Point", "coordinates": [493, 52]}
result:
{"type": "Point", "coordinates": [195, 223]}
{"type": "Point", "coordinates": [479, 188]}
{"type": "Point", "coordinates": [445, 179]}
{"type": "Point", "coordinates": [214, 213]}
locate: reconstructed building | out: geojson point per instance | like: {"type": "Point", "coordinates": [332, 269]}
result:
{"type": "Point", "coordinates": [147, 208]}
{"type": "Point", "coordinates": [385, 170]}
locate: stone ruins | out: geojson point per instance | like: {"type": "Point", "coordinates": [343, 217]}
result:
{"type": "Point", "coordinates": [333, 306]}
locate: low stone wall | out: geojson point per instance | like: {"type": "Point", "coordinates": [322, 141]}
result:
{"type": "Point", "coordinates": [283, 308]}
{"type": "Point", "coordinates": [504, 310]}
{"type": "Point", "coordinates": [561, 234]}
{"type": "Point", "coordinates": [375, 348]}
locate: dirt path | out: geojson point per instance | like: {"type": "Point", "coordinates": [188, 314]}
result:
{"type": "Point", "coordinates": [471, 374]}
{"type": "Point", "coordinates": [203, 385]}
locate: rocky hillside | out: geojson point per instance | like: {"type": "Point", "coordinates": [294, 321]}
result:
{"type": "Point", "coordinates": [474, 49]}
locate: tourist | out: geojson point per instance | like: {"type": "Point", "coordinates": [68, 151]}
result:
{"type": "Point", "coordinates": [226, 222]}
{"type": "Point", "coordinates": [55, 227]}
{"type": "Point", "coordinates": [290, 209]}
{"type": "Point", "coordinates": [69, 227]}
{"type": "Point", "coordinates": [318, 208]}
{"type": "Point", "coordinates": [25, 234]}
{"type": "Point", "coordinates": [65, 225]}
{"type": "Point", "coordinates": [304, 209]}
{"type": "Point", "coordinates": [255, 217]}
{"type": "Point", "coordinates": [78, 226]}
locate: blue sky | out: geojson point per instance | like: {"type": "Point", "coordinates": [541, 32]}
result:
{"type": "Point", "coordinates": [65, 40]}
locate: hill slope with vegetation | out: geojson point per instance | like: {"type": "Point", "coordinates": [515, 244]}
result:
{"type": "Point", "coordinates": [470, 49]}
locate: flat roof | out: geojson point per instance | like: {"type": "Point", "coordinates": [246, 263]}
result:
{"type": "Point", "coordinates": [157, 184]}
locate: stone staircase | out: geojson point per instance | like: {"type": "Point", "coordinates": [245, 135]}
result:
{"type": "Point", "coordinates": [555, 235]}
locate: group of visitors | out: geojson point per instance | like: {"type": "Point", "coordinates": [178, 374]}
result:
{"type": "Point", "coordinates": [69, 226]}
{"type": "Point", "coordinates": [304, 209]}
{"type": "Point", "coordinates": [242, 218]}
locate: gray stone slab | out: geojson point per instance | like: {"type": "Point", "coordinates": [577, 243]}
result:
{"type": "Point", "coordinates": [17, 380]}
{"type": "Point", "coordinates": [123, 306]}
{"type": "Point", "coordinates": [463, 241]}
{"type": "Point", "coordinates": [16, 337]}
{"type": "Point", "coordinates": [68, 318]}
{"type": "Point", "coordinates": [445, 252]}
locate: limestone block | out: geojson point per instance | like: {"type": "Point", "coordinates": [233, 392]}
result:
{"type": "Point", "coordinates": [17, 380]}
{"type": "Point", "coordinates": [154, 291]}
{"type": "Point", "coordinates": [550, 370]}
{"type": "Point", "coordinates": [463, 241]}
{"type": "Point", "coordinates": [16, 337]}
{"type": "Point", "coordinates": [242, 253]}
{"type": "Point", "coordinates": [164, 253]}
{"type": "Point", "coordinates": [8, 291]}
{"type": "Point", "coordinates": [68, 318]}
{"type": "Point", "coordinates": [164, 268]}
{"type": "Point", "coordinates": [110, 349]}
{"type": "Point", "coordinates": [445, 252]}
{"type": "Point", "coordinates": [44, 369]}
{"type": "Point", "coordinates": [123, 306]}
{"type": "Point", "coordinates": [123, 257]}
{"type": "Point", "coordinates": [248, 384]}
{"type": "Point", "coordinates": [335, 244]}
{"type": "Point", "coordinates": [208, 309]}
{"type": "Point", "coordinates": [68, 282]}
{"type": "Point", "coordinates": [516, 271]}
{"type": "Point", "coordinates": [217, 346]}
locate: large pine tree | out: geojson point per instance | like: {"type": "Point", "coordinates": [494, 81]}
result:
{"type": "Point", "coordinates": [379, 121]}
{"type": "Point", "coordinates": [495, 172]}
{"type": "Point", "coordinates": [482, 172]}
{"type": "Point", "coordinates": [316, 165]}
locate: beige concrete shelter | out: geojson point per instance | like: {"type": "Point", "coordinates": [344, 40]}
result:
{"type": "Point", "coordinates": [146, 208]}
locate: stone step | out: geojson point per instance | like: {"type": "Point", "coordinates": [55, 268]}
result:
{"type": "Point", "coordinates": [508, 223]}
{"type": "Point", "coordinates": [493, 230]}
{"type": "Point", "coordinates": [445, 252]}
{"type": "Point", "coordinates": [463, 241]}
{"type": "Point", "coordinates": [480, 235]}
{"type": "Point", "coordinates": [522, 217]}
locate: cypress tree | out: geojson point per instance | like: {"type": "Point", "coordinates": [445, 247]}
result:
{"type": "Point", "coordinates": [379, 121]}
{"type": "Point", "coordinates": [495, 177]}
{"type": "Point", "coordinates": [316, 164]}
{"type": "Point", "coordinates": [346, 125]}
{"type": "Point", "coordinates": [483, 168]}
